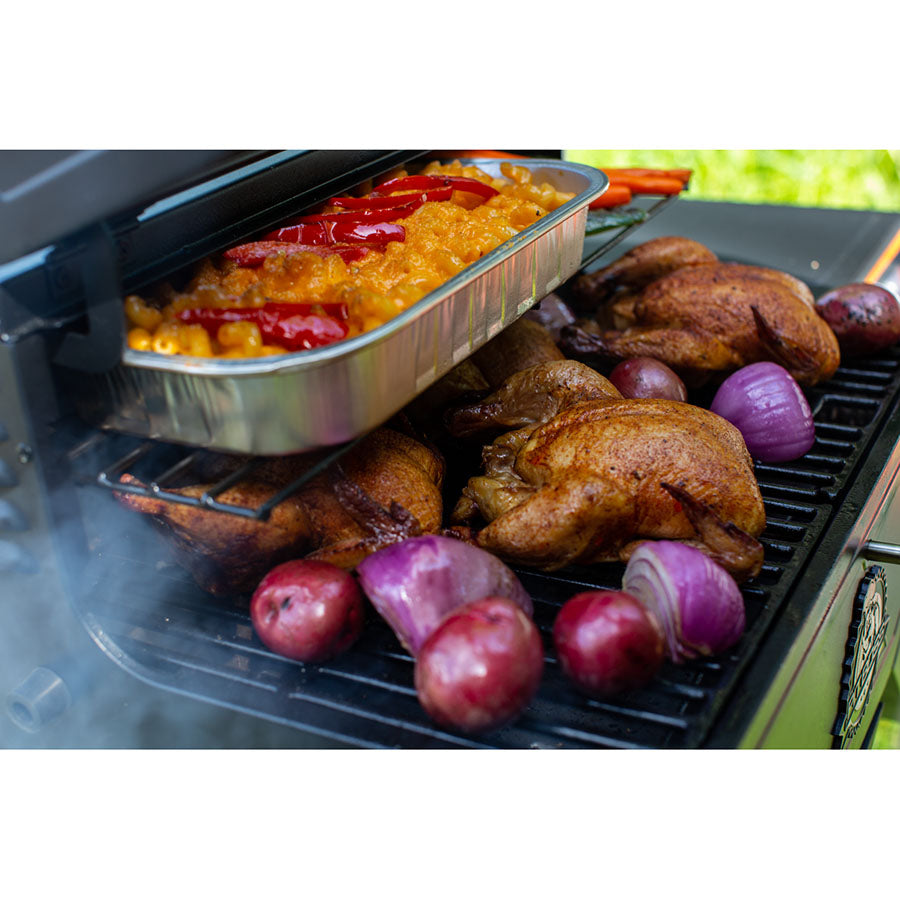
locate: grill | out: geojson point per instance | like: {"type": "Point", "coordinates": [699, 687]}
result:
{"type": "Point", "coordinates": [181, 639]}
{"type": "Point", "coordinates": [194, 644]}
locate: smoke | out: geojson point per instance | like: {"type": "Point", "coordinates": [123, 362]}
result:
{"type": "Point", "coordinates": [121, 624]}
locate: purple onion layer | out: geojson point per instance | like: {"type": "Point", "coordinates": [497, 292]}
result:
{"type": "Point", "coordinates": [698, 604]}
{"type": "Point", "coordinates": [415, 584]}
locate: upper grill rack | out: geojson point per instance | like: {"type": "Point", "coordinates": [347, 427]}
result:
{"type": "Point", "coordinates": [152, 455]}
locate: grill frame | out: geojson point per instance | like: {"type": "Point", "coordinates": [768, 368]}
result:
{"type": "Point", "coordinates": [87, 572]}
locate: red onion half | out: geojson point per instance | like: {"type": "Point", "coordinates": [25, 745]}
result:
{"type": "Point", "coordinates": [698, 604]}
{"type": "Point", "coordinates": [767, 406]}
{"type": "Point", "coordinates": [415, 584]}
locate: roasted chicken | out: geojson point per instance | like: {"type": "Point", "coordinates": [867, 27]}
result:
{"type": "Point", "coordinates": [523, 344]}
{"type": "Point", "coordinates": [712, 317]}
{"type": "Point", "coordinates": [625, 277]}
{"type": "Point", "coordinates": [601, 475]}
{"type": "Point", "coordinates": [385, 488]}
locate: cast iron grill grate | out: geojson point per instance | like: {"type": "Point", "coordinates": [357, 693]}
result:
{"type": "Point", "coordinates": [185, 640]}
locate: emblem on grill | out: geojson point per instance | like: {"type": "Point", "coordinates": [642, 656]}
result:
{"type": "Point", "coordinates": [868, 628]}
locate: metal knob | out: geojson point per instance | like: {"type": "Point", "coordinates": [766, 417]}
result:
{"type": "Point", "coordinates": [879, 551]}
{"type": "Point", "coordinates": [39, 699]}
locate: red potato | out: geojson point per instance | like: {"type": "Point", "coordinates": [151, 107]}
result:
{"type": "Point", "coordinates": [864, 317]}
{"type": "Point", "coordinates": [607, 642]}
{"type": "Point", "coordinates": [643, 377]}
{"type": "Point", "coordinates": [481, 667]}
{"type": "Point", "coordinates": [307, 610]}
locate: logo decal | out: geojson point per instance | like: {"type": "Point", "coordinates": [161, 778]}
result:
{"type": "Point", "coordinates": [868, 628]}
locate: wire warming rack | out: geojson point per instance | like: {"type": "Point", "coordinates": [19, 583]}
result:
{"type": "Point", "coordinates": [165, 463]}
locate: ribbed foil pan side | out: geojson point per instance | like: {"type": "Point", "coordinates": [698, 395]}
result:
{"type": "Point", "coordinates": [300, 401]}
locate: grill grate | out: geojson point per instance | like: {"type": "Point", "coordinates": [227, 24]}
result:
{"type": "Point", "coordinates": [191, 643]}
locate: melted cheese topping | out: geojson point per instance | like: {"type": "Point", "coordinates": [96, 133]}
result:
{"type": "Point", "coordinates": [442, 238]}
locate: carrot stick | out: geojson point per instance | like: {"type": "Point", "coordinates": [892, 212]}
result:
{"type": "Point", "coordinates": [647, 184]}
{"type": "Point", "coordinates": [615, 195]}
{"type": "Point", "coordinates": [683, 175]}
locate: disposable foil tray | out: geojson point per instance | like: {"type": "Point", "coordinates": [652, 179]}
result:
{"type": "Point", "coordinates": [318, 398]}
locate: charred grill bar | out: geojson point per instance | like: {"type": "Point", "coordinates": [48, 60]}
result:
{"type": "Point", "coordinates": [790, 680]}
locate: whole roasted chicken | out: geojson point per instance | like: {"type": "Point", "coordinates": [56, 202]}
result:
{"type": "Point", "coordinates": [522, 344]}
{"type": "Point", "coordinates": [703, 316]}
{"type": "Point", "coordinates": [587, 475]}
{"type": "Point", "coordinates": [384, 489]}
{"type": "Point", "coordinates": [624, 278]}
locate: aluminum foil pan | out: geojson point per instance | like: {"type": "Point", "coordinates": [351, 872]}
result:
{"type": "Point", "coordinates": [317, 398]}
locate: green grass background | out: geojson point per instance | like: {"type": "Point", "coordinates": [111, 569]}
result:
{"type": "Point", "coordinates": [839, 179]}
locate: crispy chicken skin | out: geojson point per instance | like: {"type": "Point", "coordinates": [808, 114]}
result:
{"type": "Point", "coordinates": [385, 488]}
{"type": "Point", "coordinates": [600, 476]}
{"type": "Point", "coordinates": [531, 396]}
{"type": "Point", "coordinates": [716, 317]}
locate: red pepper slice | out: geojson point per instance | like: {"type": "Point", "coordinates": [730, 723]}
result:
{"type": "Point", "coordinates": [254, 254]}
{"type": "Point", "coordinates": [397, 211]}
{"type": "Point", "coordinates": [294, 326]}
{"type": "Point", "coordinates": [336, 310]}
{"type": "Point", "coordinates": [426, 182]}
{"type": "Point", "coordinates": [375, 202]}
{"type": "Point", "coordinates": [327, 232]}
{"type": "Point", "coordinates": [305, 332]}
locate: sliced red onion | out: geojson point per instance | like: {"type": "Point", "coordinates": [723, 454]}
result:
{"type": "Point", "coordinates": [697, 602]}
{"type": "Point", "coordinates": [767, 406]}
{"type": "Point", "coordinates": [415, 584]}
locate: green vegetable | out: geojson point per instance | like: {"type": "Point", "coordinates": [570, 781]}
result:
{"type": "Point", "coordinates": [605, 220]}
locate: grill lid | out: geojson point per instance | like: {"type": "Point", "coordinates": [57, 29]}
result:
{"type": "Point", "coordinates": [47, 194]}
{"type": "Point", "coordinates": [83, 228]}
